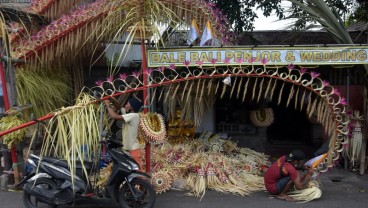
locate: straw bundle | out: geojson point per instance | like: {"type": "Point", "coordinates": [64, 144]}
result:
{"type": "Point", "coordinates": [46, 90]}
{"type": "Point", "coordinates": [9, 122]}
{"type": "Point", "coordinates": [204, 168]}
{"type": "Point", "coordinates": [307, 194]}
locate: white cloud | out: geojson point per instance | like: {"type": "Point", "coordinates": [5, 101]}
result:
{"type": "Point", "coordinates": [271, 22]}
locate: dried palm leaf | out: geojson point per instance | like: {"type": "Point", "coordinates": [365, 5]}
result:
{"type": "Point", "coordinates": [291, 94]}
{"type": "Point", "coordinates": [245, 89]}
{"type": "Point", "coordinates": [280, 95]}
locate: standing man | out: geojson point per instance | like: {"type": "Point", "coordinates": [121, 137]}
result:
{"type": "Point", "coordinates": [283, 175]}
{"type": "Point", "coordinates": [130, 116]}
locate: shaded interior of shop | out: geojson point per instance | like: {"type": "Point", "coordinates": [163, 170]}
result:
{"type": "Point", "coordinates": [292, 127]}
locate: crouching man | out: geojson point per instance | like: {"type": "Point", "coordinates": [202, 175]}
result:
{"type": "Point", "coordinates": [283, 175]}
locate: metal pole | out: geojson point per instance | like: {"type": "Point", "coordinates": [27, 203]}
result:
{"type": "Point", "coordinates": [7, 107]}
{"type": "Point", "coordinates": [347, 99]}
{"type": "Point", "coordinates": [5, 89]}
{"type": "Point", "coordinates": [364, 142]}
{"type": "Point", "coordinates": [145, 103]}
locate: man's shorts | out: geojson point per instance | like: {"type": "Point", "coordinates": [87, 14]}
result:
{"type": "Point", "coordinates": [280, 185]}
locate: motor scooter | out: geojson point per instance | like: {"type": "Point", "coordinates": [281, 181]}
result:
{"type": "Point", "coordinates": [50, 184]}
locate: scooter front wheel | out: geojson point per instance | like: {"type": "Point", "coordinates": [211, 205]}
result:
{"type": "Point", "coordinates": [31, 201]}
{"type": "Point", "coordinates": [145, 194]}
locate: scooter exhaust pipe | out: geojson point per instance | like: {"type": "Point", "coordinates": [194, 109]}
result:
{"type": "Point", "coordinates": [41, 194]}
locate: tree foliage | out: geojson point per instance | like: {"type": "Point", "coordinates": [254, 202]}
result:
{"type": "Point", "coordinates": [241, 13]}
{"type": "Point", "coordinates": [360, 12]}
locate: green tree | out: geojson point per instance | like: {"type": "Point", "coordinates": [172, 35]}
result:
{"type": "Point", "coordinates": [360, 12]}
{"type": "Point", "coordinates": [241, 13]}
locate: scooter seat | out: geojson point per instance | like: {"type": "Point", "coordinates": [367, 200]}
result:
{"type": "Point", "coordinates": [63, 163]}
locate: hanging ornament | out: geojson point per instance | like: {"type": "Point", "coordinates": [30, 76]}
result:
{"type": "Point", "coordinates": [262, 117]}
{"type": "Point", "coordinates": [227, 81]}
{"type": "Point", "coordinates": [356, 141]}
{"type": "Point", "coordinates": [152, 128]}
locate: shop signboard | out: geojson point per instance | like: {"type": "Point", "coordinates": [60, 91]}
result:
{"type": "Point", "coordinates": [270, 56]}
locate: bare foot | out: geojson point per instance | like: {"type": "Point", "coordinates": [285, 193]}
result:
{"type": "Point", "coordinates": [285, 197]}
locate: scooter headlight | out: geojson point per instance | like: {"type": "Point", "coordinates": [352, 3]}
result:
{"type": "Point", "coordinates": [134, 166]}
{"type": "Point", "coordinates": [126, 165]}
{"type": "Point", "coordinates": [32, 162]}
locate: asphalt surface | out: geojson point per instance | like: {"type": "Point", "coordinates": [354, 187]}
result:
{"type": "Point", "coordinates": [339, 189]}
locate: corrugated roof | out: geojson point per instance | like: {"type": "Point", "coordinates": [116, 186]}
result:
{"type": "Point", "coordinates": [359, 26]}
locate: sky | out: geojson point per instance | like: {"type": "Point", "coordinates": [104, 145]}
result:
{"type": "Point", "coordinates": [271, 22]}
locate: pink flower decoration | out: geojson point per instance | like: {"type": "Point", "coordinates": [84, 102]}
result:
{"type": "Point", "coordinates": [99, 82]}
{"type": "Point", "coordinates": [252, 60]}
{"type": "Point", "coordinates": [110, 79]}
{"type": "Point", "coordinates": [239, 60]}
{"type": "Point", "coordinates": [336, 91]}
{"type": "Point", "coordinates": [122, 76]}
{"type": "Point", "coordinates": [290, 66]}
{"type": "Point", "coordinates": [136, 73]}
{"type": "Point", "coordinates": [172, 66]}
{"type": "Point", "coordinates": [303, 70]}
{"type": "Point", "coordinates": [213, 61]}
{"type": "Point", "coordinates": [199, 63]}
{"type": "Point", "coordinates": [148, 71]}
{"type": "Point", "coordinates": [161, 68]}
{"type": "Point", "coordinates": [315, 74]}
{"type": "Point", "coordinates": [186, 63]}
{"type": "Point", "coordinates": [343, 101]}
{"type": "Point", "coordinates": [264, 61]}
{"type": "Point", "coordinates": [326, 83]}
{"type": "Point", "coordinates": [227, 60]}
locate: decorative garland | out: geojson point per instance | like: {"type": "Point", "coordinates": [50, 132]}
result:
{"type": "Point", "coordinates": [152, 128]}
{"type": "Point", "coordinates": [323, 98]}
{"type": "Point", "coordinates": [262, 117]}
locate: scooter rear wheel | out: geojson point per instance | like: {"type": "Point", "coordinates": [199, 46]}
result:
{"type": "Point", "coordinates": [31, 201]}
{"type": "Point", "coordinates": [145, 191]}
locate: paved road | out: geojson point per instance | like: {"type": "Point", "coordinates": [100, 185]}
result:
{"type": "Point", "coordinates": [339, 189]}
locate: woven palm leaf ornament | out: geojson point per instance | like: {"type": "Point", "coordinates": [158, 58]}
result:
{"type": "Point", "coordinates": [161, 181]}
{"type": "Point", "coordinates": [322, 98]}
{"type": "Point", "coordinates": [262, 117]}
{"type": "Point", "coordinates": [152, 128]}
{"type": "Point", "coordinates": [353, 148]}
